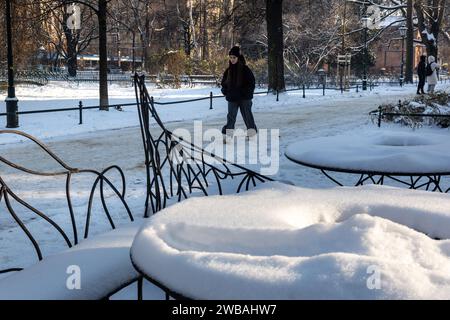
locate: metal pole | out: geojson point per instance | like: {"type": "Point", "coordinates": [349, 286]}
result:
{"type": "Point", "coordinates": [210, 100]}
{"type": "Point", "coordinates": [380, 114]}
{"type": "Point", "coordinates": [403, 62]}
{"type": "Point", "coordinates": [80, 106]}
{"type": "Point", "coordinates": [364, 83]}
{"type": "Point", "coordinates": [152, 103]}
{"type": "Point", "coordinates": [12, 118]}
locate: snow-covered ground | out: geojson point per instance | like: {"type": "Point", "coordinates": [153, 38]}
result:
{"type": "Point", "coordinates": [114, 137]}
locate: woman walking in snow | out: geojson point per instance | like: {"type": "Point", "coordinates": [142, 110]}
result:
{"type": "Point", "coordinates": [432, 77]}
{"type": "Point", "coordinates": [238, 85]}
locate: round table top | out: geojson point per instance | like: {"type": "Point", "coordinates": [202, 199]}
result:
{"type": "Point", "coordinates": [287, 242]}
{"type": "Point", "coordinates": [387, 152]}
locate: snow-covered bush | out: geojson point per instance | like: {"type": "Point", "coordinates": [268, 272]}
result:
{"type": "Point", "coordinates": [436, 104]}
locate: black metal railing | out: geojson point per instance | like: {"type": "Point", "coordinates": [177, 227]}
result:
{"type": "Point", "coordinates": [210, 97]}
{"type": "Point", "coordinates": [175, 167]}
{"type": "Point", "coordinates": [379, 114]}
{"type": "Point", "coordinates": [27, 77]}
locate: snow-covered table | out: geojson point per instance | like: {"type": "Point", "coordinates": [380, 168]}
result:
{"type": "Point", "coordinates": [416, 159]}
{"type": "Point", "coordinates": [287, 242]}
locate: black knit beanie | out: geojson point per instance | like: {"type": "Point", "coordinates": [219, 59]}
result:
{"type": "Point", "coordinates": [235, 51]}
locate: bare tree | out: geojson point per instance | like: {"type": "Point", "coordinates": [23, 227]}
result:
{"type": "Point", "coordinates": [430, 15]}
{"type": "Point", "coordinates": [409, 64]}
{"type": "Point", "coordinates": [28, 37]}
{"type": "Point", "coordinates": [310, 42]}
{"type": "Point", "coordinates": [67, 42]}
{"type": "Point", "coordinates": [274, 19]}
{"type": "Point", "coordinates": [138, 18]}
{"type": "Point", "coordinates": [100, 9]}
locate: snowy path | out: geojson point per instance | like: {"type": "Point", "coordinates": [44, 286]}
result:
{"type": "Point", "coordinates": [304, 120]}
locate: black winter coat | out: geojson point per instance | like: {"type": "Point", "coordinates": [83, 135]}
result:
{"type": "Point", "coordinates": [422, 69]}
{"type": "Point", "coordinates": [244, 92]}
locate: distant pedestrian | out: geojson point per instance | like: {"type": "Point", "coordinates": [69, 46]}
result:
{"type": "Point", "coordinates": [432, 77]}
{"type": "Point", "coordinates": [422, 73]}
{"type": "Point", "coordinates": [238, 85]}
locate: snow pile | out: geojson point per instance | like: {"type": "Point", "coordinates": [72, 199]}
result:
{"type": "Point", "coordinates": [436, 104]}
{"type": "Point", "coordinates": [286, 242]}
{"type": "Point", "coordinates": [382, 151]}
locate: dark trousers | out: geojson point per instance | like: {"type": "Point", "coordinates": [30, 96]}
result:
{"type": "Point", "coordinates": [421, 85]}
{"type": "Point", "coordinates": [246, 111]}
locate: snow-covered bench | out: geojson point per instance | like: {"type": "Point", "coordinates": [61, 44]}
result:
{"type": "Point", "coordinates": [93, 268]}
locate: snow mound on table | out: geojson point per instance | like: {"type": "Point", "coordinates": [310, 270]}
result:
{"type": "Point", "coordinates": [286, 242]}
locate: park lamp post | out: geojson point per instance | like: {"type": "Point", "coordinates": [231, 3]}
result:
{"type": "Point", "coordinates": [365, 24]}
{"type": "Point", "coordinates": [402, 30]}
{"type": "Point", "coordinates": [12, 119]}
{"type": "Point", "coordinates": [322, 76]}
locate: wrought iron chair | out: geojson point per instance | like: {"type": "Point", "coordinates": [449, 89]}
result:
{"type": "Point", "coordinates": [175, 167]}
{"type": "Point", "coordinates": [7, 195]}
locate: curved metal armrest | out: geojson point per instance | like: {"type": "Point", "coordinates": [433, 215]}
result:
{"type": "Point", "coordinates": [101, 181]}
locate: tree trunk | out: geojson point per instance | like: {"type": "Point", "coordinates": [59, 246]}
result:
{"type": "Point", "coordinates": [134, 53]}
{"type": "Point", "coordinates": [204, 30]}
{"type": "Point", "coordinates": [167, 38]}
{"type": "Point", "coordinates": [72, 65]}
{"type": "Point", "coordinates": [409, 43]}
{"type": "Point", "coordinates": [103, 51]}
{"type": "Point", "coordinates": [187, 39]}
{"type": "Point", "coordinates": [274, 19]}
{"type": "Point", "coordinates": [232, 27]}
{"type": "Point", "coordinates": [191, 24]}
{"type": "Point", "coordinates": [71, 40]}
{"type": "Point", "coordinates": [145, 39]}
{"type": "Point", "coordinates": [433, 46]}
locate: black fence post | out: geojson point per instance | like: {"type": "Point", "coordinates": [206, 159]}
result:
{"type": "Point", "coordinates": [210, 100]}
{"type": "Point", "coordinates": [380, 114]}
{"type": "Point", "coordinates": [323, 88]}
{"type": "Point", "coordinates": [278, 95]}
{"type": "Point", "coordinates": [80, 108]}
{"type": "Point", "coordinates": [342, 89]}
{"type": "Point", "coordinates": [304, 95]}
{"type": "Point", "coordinates": [357, 88]}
